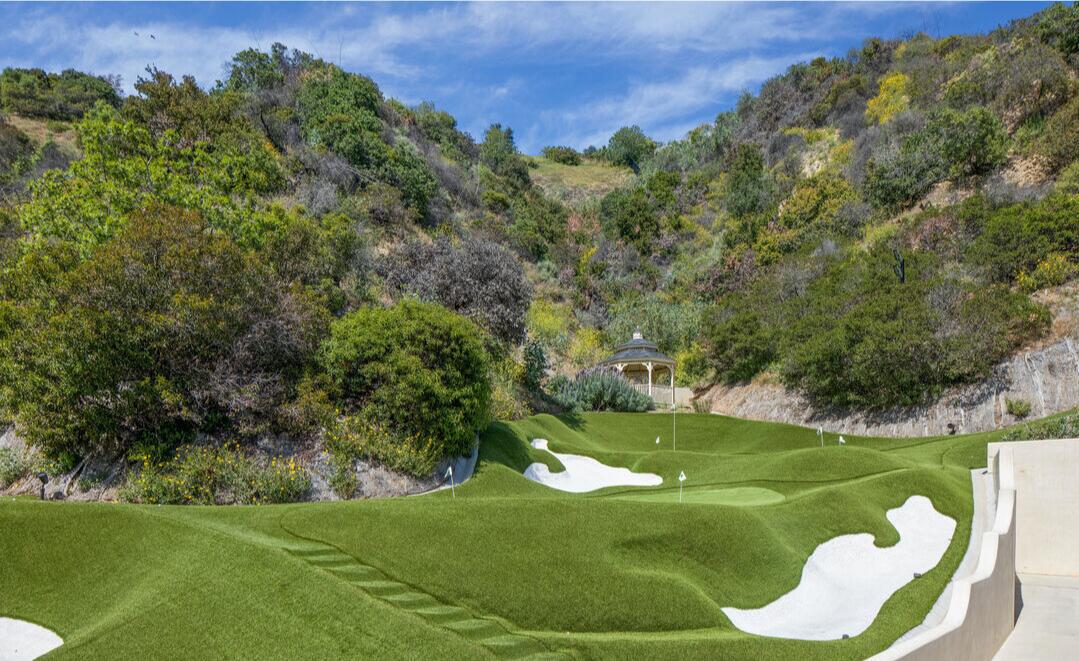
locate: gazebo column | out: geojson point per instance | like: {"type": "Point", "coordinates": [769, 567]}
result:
{"type": "Point", "coordinates": [649, 366]}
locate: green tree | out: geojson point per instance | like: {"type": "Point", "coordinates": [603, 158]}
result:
{"type": "Point", "coordinates": [629, 146]}
{"type": "Point", "coordinates": [415, 368]}
{"type": "Point", "coordinates": [749, 188]}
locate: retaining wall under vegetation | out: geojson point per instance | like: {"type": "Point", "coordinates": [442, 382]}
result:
{"type": "Point", "coordinates": [1046, 378]}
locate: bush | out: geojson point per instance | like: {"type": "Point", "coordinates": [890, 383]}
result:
{"type": "Point", "coordinates": [416, 370]}
{"type": "Point", "coordinates": [892, 99]}
{"type": "Point", "coordinates": [739, 344]}
{"type": "Point", "coordinates": [629, 146]}
{"type": "Point", "coordinates": [598, 390]}
{"type": "Point", "coordinates": [476, 278]}
{"type": "Point", "coordinates": [749, 188]}
{"type": "Point", "coordinates": [563, 155]}
{"type": "Point", "coordinates": [202, 475]}
{"type": "Point", "coordinates": [67, 95]}
{"type": "Point", "coordinates": [1020, 408]}
{"type": "Point", "coordinates": [1017, 238]}
{"type": "Point", "coordinates": [971, 142]}
{"type": "Point", "coordinates": [539, 223]}
{"type": "Point", "coordinates": [628, 215]}
{"type": "Point", "coordinates": [167, 330]}
{"type": "Point", "coordinates": [549, 323]}
{"type": "Point", "coordinates": [1060, 139]}
{"type": "Point", "coordinates": [1068, 180]}
{"type": "Point", "coordinates": [357, 437]}
{"type": "Point", "coordinates": [1063, 426]}
{"type": "Point", "coordinates": [12, 467]}
{"type": "Point", "coordinates": [1054, 270]}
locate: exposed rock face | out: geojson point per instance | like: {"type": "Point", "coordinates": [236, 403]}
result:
{"type": "Point", "coordinates": [1046, 376]}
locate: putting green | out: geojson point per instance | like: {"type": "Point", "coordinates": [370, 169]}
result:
{"type": "Point", "coordinates": [623, 572]}
{"type": "Point", "coordinates": [729, 496]}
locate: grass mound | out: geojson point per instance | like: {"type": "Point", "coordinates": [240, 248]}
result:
{"type": "Point", "coordinates": [507, 569]}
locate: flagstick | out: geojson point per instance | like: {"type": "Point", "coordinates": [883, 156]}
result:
{"type": "Point", "coordinates": [674, 428]}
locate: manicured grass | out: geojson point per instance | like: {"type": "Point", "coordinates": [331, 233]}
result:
{"type": "Point", "coordinates": [506, 569]}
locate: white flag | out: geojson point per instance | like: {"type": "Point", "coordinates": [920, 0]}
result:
{"type": "Point", "coordinates": [657, 440]}
{"type": "Point", "coordinates": [841, 441]}
{"type": "Point", "coordinates": [682, 476]}
{"type": "Point", "coordinates": [449, 472]}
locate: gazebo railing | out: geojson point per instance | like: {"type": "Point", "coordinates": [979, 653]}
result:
{"type": "Point", "coordinates": [660, 394]}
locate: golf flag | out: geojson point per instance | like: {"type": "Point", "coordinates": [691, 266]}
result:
{"type": "Point", "coordinates": [449, 475]}
{"type": "Point", "coordinates": [682, 476]}
{"type": "Point", "coordinates": [681, 479]}
{"type": "Point", "coordinates": [657, 440]}
{"type": "Point", "coordinates": [842, 441]}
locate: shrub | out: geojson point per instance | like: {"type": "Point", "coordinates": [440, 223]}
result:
{"type": "Point", "coordinates": [586, 348]}
{"type": "Point", "coordinates": [549, 323]}
{"type": "Point", "coordinates": [1063, 426]}
{"type": "Point", "coordinates": [739, 344]}
{"type": "Point", "coordinates": [629, 146]}
{"type": "Point", "coordinates": [1020, 408]}
{"type": "Point", "coordinates": [971, 142]}
{"type": "Point", "coordinates": [67, 95]}
{"type": "Point", "coordinates": [356, 437]}
{"type": "Point", "coordinates": [563, 155]}
{"type": "Point", "coordinates": [476, 278]}
{"type": "Point", "coordinates": [165, 331]}
{"type": "Point", "coordinates": [535, 366]}
{"type": "Point", "coordinates": [1058, 26]}
{"type": "Point", "coordinates": [749, 188]}
{"type": "Point", "coordinates": [1017, 238]}
{"type": "Point", "coordinates": [1068, 181]}
{"type": "Point", "coordinates": [892, 99]}
{"type": "Point", "coordinates": [416, 370]}
{"type": "Point", "coordinates": [12, 467]}
{"type": "Point", "coordinates": [599, 390]}
{"type": "Point", "coordinates": [628, 215]}
{"type": "Point", "coordinates": [203, 475]}
{"type": "Point", "coordinates": [1060, 139]}
{"type": "Point", "coordinates": [1054, 270]}
{"type": "Point", "coordinates": [672, 325]}
{"type": "Point", "coordinates": [539, 223]}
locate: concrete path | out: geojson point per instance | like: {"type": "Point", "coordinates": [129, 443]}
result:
{"type": "Point", "coordinates": [1048, 626]}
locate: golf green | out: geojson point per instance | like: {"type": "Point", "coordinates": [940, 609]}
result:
{"type": "Point", "coordinates": [731, 497]}
{"type": "Point", "coordinates": [505, 568]}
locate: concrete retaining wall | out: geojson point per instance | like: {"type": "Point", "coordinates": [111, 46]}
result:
{"type": "Point", "coordinates": [1034, 532]}
{"type": "Point", "coordinates": [981, 612]}
{"type": "Point", "coordinates": [1047, 515]}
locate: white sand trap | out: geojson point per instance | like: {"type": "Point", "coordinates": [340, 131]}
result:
{"type": "Point", "coordinates": [585, 473]}
{"type": "Point", "coordinates": [847, 579]}
{"type": "Point", "coordinates": [22, 641]}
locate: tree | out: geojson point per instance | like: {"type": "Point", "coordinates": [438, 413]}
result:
{"type": "Point", "coordinates": [476, 278]}
{"type": "Point", "coordinates": [628, 215]}
{"type": "Point", "coordinates": [749, 188]}
{"type": "Point", "coordinates": [167, 330]}
{"type": "Point", "coordinates": [417, 369]}
{"type": "Point", "coordinates": [629, 146]}
{"type": "Point", "coordinates": [64, 96]}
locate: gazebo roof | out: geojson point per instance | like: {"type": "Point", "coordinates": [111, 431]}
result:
{"type": "Point", "coordinates": [638, 350]}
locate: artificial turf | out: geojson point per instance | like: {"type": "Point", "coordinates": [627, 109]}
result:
{"type": "Point", "coordinates": [508, 568]}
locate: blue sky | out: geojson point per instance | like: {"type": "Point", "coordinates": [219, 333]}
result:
{"type": "Point", "coordinates": [557, 73]}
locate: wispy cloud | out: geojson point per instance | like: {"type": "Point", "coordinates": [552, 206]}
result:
{"type": "Point", "coordinates": [571, 72]}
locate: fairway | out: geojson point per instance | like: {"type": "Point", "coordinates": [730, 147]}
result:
{"type": "Point", "coordinates": [508, 568]}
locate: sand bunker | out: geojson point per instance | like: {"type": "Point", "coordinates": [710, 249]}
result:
{"type": "Point", "coordinates": [583, 474]}
{"type": "Point", "coordinates": [847, 579]}
{"type": "Point", "coordinates": [22, 641]}
{"type": "Point", "coordinates": [729, 496]}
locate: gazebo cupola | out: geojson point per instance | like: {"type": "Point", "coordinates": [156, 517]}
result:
{"type": "Point", "coordinates": [641, 363]}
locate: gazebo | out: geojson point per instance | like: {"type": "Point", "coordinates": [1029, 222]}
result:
{"type": "Point", "coordinates": [642, 364]}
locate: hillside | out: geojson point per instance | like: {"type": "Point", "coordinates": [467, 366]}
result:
{"type": "Point", "coordinates": [291, 260]}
